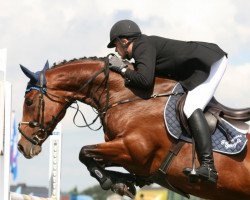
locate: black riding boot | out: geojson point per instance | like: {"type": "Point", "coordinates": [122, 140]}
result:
{"type": "Point", "coordinates": [203, 142]}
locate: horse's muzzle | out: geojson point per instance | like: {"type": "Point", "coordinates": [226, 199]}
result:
{"type": "Point", "coordinates": [29, 151]}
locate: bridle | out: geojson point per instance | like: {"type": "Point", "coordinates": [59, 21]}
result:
{"type": "Point", "coordinates": [39, 123]}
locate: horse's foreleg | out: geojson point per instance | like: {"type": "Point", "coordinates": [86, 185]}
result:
{"type": "Point", "coordinates": [88, 159]}
{"type": "Point", "coordinates": [114, 152]}
{"type": "Point", "coordinates": [110, 152]}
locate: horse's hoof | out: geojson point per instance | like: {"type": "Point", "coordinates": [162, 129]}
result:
{"type": "Point", "coordinates": [127, 189]}
{"type": "Point", "coordinates": [131, 188]}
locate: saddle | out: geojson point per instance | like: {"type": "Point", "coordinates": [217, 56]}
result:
{"type": "Point", "coordinates": [213, 112]}
{"type": "Point", "coordinates": [226, 125]}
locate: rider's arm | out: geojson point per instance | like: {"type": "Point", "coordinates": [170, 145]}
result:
{"type": "Point", "coordinates": [142, 77]}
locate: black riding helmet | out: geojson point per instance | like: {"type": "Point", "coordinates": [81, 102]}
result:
{"type": "Point", "coordinates": [123, 28]}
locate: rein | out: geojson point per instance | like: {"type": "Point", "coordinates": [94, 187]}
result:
{"type": "Point", "coordinates": [138, 98]}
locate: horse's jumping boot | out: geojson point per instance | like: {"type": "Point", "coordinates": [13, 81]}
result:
{"type": "Point", "coordinates": [104, 180]}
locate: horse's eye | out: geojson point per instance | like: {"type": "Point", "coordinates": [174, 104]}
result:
{"type": "Point", "coordinates": [28, 102]}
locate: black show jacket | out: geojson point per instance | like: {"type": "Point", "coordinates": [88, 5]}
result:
{"type": "Point", "coordinates": [186, 62]}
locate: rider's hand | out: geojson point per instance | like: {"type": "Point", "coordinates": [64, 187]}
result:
{"type": "Point", "coordinates": [117, 65]}
{"type": "Point", "coordinates": [116, 69]}
{"type": "Point", "coordinates": [120, 70]}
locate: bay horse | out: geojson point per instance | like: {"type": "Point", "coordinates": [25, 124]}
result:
{"type": "Point", "coordinates": [135, 134]}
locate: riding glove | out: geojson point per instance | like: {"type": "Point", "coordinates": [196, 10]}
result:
{"type": "Point", "coordinates": [116, 69]}
{"type": "Point", "coordinates": [117, 65]}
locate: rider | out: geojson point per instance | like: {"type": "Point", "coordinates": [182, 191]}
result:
{"type": "Point", "coordinates": [198, 66]}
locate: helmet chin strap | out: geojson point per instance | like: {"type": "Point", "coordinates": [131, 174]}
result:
{"type": "Point", "coordinates": [126, 54]}
{"type": "Point", "coordinates": [125, 48]}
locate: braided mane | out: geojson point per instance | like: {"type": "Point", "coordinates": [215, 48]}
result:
{"type": "Point", "coordinates": [61, 63]}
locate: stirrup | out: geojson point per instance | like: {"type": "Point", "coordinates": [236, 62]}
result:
{"type": "Point", "coordinates": [191, 172]}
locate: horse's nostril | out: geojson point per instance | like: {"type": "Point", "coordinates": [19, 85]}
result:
{"type": "Point", "coordinates": [20, 148]}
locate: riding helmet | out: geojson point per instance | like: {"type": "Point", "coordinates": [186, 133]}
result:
{"type": "Point", "coordinates": [123, 28]}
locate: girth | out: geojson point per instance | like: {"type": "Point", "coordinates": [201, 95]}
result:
{"type": "Point", "coordinates": [159, 176]}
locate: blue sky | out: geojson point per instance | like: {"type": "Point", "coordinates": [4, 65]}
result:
{"type": "Point", "coordinates": [36, 30]}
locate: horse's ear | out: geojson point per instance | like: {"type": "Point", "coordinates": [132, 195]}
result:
{"type": "Point", "coordinates": [29, 74]}
{"type": "Point", "coordinates": [46, 66]}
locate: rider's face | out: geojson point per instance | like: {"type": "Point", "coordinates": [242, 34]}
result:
{"type": "Point", "coordinates": [120, 49]}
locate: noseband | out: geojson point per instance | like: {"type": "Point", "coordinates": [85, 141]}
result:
{"type": "Point", "coordinates": [34, 124]}
{"type": "Point", "coordinates": [36, 138]}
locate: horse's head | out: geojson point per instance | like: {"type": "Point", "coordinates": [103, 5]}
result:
{"type": "Point", "coordinates": [50, 92]}
{"type": "Point", "coordinates": [41, 112]}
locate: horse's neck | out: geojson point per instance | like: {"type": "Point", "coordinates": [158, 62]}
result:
{"type": "Point", "coordinates": [70, 78]}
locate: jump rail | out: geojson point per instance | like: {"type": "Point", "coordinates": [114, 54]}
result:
{"type": "Point", "coordinates": [15, 196]}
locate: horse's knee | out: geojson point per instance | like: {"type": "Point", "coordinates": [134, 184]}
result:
{"type": "Point", "coordinates": [84, 155]}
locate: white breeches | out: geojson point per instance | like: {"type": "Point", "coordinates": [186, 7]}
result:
{"type": "Point", "coordinates": [200, 96]}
